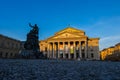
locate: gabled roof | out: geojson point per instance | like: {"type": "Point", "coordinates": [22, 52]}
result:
{"type": "Point", "coordinates": [63, 35]}
{"type": "Point", "coordinates": [69, 29]}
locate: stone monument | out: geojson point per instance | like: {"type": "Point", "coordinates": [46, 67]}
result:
{"type": "Point", "coordinates": [31, 45]}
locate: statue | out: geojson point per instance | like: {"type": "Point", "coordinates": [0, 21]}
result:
{"type": "Point", "coordinates": [32, 38]}
{"type": "Point", "coordinates": [31, 46]}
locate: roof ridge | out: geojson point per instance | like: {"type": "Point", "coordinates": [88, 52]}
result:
{"type": "Point", "coordinates": [68, 28]}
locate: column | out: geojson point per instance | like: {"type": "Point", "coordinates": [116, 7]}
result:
{"type": "Point", "coordinates": [55, 50]}
{"type": "Point", "coordinates": [80, 50]}
{"type": "Point", "coordinates": [86, 54]}
{"type": "Point", "coordinates": [48, 51]}
{"type": "Point", "coordinates": [63, 50]}
{"type": "Point", "coordinates": [58, 56]}
{"type": "Point", "coordinates": [69, 56]}
{"type": "Point", "coordinates": [53, 53]}
{"type": "Point", "coordinates": [74, 50]}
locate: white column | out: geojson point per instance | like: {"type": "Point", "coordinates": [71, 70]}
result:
{"type": "Point", "coordinates": [53, 53]}
{"type": "Point", "coordinates": [86, 54]}
{"type": "Point", "coordinates": [69, 56]}
{"type": "Point", "coordinates": [74, 50]}
{"type": "Point", "coordinates": [63, 50]}
{"type": "Point", "coordinates": [55, 50]}
{"type": "Point", "coordinates": [58, 50]}
{"type": "Point", "coordinates": [48, 51]}
{"type": "Point", "coordinates": [80, 50]}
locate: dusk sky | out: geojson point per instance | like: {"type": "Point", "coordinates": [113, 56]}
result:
{"type": "Point", "coordinates": [98, 18]}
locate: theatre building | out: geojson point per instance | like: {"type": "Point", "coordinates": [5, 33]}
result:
{"type": "Point", "coordinates": [70, 43]}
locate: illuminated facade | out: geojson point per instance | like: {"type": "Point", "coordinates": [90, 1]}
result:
{"type": "Point", "coordinates": [111, 53]}
{"type": "Point", "coordinates": [9, 47]}
{"type": "Point", "coordinates": [70, 43]}
{"type": "Point", "coordinates": [106, 52]}
{"type": "Point", "coordinates": [117, 49]}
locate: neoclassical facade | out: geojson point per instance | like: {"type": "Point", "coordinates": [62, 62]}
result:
{"type": "Point", "coordinates": [9, 47]}
{"type": "Point", "coordinates": [70, 43]}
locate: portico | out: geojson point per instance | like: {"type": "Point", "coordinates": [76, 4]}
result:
{"type": "Point", "coordinates": [67, 49]}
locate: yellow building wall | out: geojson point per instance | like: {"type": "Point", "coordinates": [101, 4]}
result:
{"type": "Point", "coordinates": [106, 52]}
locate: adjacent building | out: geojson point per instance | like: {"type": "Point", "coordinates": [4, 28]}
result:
{"type": "Point", "coordinates": [117, 49]}
{"type": "Point", "coordinates": [106, 52]}
{"type": "Point", "coordinates": [70, 43]}
{"type": "Point", "coordinates": [111, 53]}
{"type": "Point", "coordinates": [9, 47]}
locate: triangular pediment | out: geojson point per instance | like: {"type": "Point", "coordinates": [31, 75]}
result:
{"type": "Point", "coordinates": [69, 33]}
{"type": "Point", "coordinates": [66, 35]}
{"type": "Point", "coordinates": [70, 30]}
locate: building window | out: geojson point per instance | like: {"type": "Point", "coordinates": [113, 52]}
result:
{"type": "Point", "coordinates": [92, 55]}
{"type": "Point", "coordinates": [12, 45]}
{"type": "Point", "coordinates": [16, 45]}
{"type": "Point", "coordinates": [2, 44]}
{"type": "Point", "coordinates": [0, 54]}
{"type": "Point", "coordinates": [8, 43]}
{"type": "Point", "coordinates": [11, 54]}
{"type": "Point", "coordinates": [6, 55]}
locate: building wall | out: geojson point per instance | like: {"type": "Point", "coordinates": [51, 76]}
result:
{"type": "Point", "coordinates": [103, 54]}
{"type": "Point", "coordinates": [111, 52]}
{"type": "Point", "coordinates": [93, 48]}
{"type": "Point", "coordinates": [117, 48]}
{"type": "Point", "coordinates": [43, 47]}
{"type": "Point", "coordinates": [88, 48]}
{"type": "Point", "coordinates": [9, 47]}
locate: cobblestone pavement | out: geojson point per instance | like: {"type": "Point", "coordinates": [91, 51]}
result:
{"type": "Point", "coordinates": [13, 69]}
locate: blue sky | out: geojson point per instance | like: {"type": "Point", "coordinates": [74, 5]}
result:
{"type": "Point", "coordinates": [98, 18]}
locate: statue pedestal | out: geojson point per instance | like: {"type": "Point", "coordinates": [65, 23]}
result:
{"type": "Point", "coordinates": [27, 54]}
